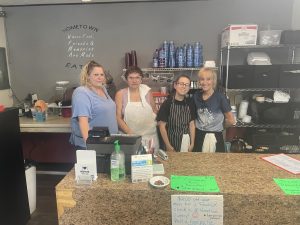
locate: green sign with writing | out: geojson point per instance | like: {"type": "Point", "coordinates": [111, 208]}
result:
{"type": "Point", "coordinates": [289, 186]}
{"type": "Point", "coordinates": [194, 183]}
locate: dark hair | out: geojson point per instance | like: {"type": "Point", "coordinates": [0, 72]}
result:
{"type": "Point", "coordinates": [173, 91]}
{"type": "Point", "coordinates": [180, 76]}
{"type": "Point", "coordinates": [133, 69]}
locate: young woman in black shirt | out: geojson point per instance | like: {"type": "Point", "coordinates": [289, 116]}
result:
{"type": "Point", "coordinates": [176, 117]}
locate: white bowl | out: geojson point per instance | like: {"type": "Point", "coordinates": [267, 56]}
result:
{"type": "Point", "coordinates": [159, 181]}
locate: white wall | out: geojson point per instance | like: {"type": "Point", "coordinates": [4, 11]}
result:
{"type": "Point", "coordinates": [5, 95]}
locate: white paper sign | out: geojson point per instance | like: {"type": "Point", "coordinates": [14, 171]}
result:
{"type": "Point", "coordinates": [197, 209]}
{"type": "Point", "coordinates": [86, 164]}
{"type": "Point", "coordinates": [84, 172]}
{"type": "Point", "coordinates": [285, 162]}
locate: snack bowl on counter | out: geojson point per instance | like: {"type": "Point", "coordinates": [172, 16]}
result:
{"type": "Point", "coordinates": [159, 181]}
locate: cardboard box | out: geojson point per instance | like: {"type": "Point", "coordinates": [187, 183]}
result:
{"type": "Point", "coordinates": [239, 35]}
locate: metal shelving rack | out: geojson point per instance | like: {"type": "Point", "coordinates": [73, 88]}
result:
{"type": "Point", "coordinates": [227, 49]}
{"type": "Point", "coordinates": [261, 89]}
{"type": "Point", "coordinates": [261, 126]}
{"type": "Point", "coordinates": [169, 73]}
{"type": "Point", "coordinates": [291, 59]}
{"type": "Point", "coordinates": [168, 69]}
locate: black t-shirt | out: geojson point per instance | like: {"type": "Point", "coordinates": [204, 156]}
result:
{"type": "Point", "coordinates": [164, 111]}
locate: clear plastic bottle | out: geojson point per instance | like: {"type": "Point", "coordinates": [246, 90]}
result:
{"type": "Point", "coordinates": [117, 164]}
{"type": "Point", "coordinates": [234, 112]}
{"type": "Point", "coordinates": [166, 52]}
{"type": "Point", "coordinates": [162, 58]}
{"type": "Point", "coordinates": [197, 57]}
{"type": "Point", "coordinates": [180, 57]}
{"type": "Point", "coordinates": [185, 54]}
{"type": "Point", "coordinates": [189, 56]}
{"type": "Point", "coordinates": [155, 59]}
{"type": "Point", "coordinates": [171, 62]}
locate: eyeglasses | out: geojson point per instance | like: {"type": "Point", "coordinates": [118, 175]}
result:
{"type": "Point", "coordinates": [183, 84]}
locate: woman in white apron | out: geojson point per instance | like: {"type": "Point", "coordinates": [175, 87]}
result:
{"type": "Point", "coordinates": [136, 109]}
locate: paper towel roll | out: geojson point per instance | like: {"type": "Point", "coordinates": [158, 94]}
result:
{"type": "Point", "coordinates": [243, 109]}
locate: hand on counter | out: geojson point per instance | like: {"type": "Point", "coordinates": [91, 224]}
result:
{"type": "Point", "coordinates": [170, 148]}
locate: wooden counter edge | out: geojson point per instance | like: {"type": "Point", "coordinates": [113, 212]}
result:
{"type": "Point", "coordinates": [64, 199]}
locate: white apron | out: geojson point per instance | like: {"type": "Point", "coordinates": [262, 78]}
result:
{"type": "Point", "coordinates": [140, 118]}
{"type": "Point", "coordinates": [185, 143]}
{"type": "Point", "coordinates": [209, 143]}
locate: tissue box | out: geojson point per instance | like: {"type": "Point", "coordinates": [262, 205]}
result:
{"type": "Point", "coordinates": [239, 35]}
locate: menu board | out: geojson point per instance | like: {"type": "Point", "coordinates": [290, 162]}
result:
{"type": "Point", "coordinates": [79, 43]}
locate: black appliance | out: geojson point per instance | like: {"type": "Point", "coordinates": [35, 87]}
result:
{"type": "Point", "coordinates": [104, 146]}
{"type": "Point", "coordinates": [14, 206]}
{"type": "Point", "coordinates": [290, 37]}
{"type": "Point", "coordinates": [289, 76]}
{"type": "Point", "coordinates": [273, 142]}
{"type": "Point", "coordinates": [275, 113]}
{"type": "Point", "coordinates": [266, 76]}
{"type": "Point", "coordinates": [251, 76]}
{"type": "Point", "coordinates": [238, 76]}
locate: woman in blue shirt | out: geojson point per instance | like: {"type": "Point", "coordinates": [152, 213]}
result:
{"type": "Point", "coordinates": [91, 105]}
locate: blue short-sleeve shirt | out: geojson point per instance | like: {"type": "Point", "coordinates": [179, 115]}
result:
{"type": "Point", "coordinates": [101, 112]}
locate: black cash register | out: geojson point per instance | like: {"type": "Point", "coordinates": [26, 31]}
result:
{"type": "Point", "coordinates": [102, 142]}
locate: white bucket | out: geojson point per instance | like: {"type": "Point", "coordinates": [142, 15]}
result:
{"type": "Point", "coordinates": [31, 187]}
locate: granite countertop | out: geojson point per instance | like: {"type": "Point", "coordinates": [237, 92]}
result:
{"type": "Point", "coordinates": [236, 173]}
{"type": "Point", "coordinates": [245, 181]}
{"type": "Point", "coordinates": [53, 124]}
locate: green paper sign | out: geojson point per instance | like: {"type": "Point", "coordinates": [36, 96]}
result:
{"type": "Point", "coordinates": [194, 183]}
{"type": "Point", "coordinates": [289, 186]}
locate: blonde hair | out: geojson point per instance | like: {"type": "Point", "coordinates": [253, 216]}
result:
{"type": "Point", "coordinates": [86, 71]}
{"type": "Point", "coordinates": [210, 72]}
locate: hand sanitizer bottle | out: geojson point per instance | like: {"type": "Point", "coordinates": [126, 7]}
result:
{"type": "Point", "coordinates": [117, 163]}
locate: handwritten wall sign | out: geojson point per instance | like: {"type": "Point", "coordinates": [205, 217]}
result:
{"type": "Point", "coordinates": [80, 44]}
{"type": "Point", "coordinates": [197, 209]}
{"type": "Point", "coordinates": [194, 183]}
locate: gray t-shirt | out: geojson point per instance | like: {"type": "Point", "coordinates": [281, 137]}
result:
{"type": "Point", "coordinates": [210, 112]}
{"type": "Point", "coordinates": [101, 112]}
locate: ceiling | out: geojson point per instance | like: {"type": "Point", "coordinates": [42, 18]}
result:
{"type": "Point", "coordinates": [57, 2]}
